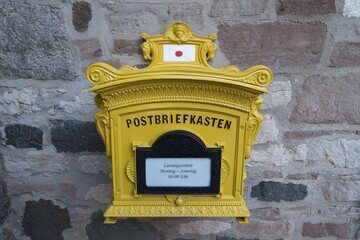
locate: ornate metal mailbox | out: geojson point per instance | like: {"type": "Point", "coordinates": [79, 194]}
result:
{"type": "Point", "coordinates": [178, 132]}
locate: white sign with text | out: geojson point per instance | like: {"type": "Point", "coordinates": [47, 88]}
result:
{"type": "Point", "coordinates": [178, 172]}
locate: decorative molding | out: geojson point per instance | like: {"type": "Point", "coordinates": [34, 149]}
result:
{"type": "Point", "coordinates": [179, 33]}
{"type": "Point", "coordinates": [173, 210]}
{"type": "Point", "coordinates": [186, 91]}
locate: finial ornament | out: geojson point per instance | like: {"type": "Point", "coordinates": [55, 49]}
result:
{"type": "Point", "coordinates": [179, 32]}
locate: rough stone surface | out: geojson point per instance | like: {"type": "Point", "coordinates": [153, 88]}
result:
{"type": "Point", "coordinates": [83, 102]}
{"type": "Point", "coordinates": [351, 8]}
{"type": "Point", "coordinates": [351, 213]}
{"type": "Point", "coordinates": [235, 9]}
{"type": "Point", "coordinates": [101, 193]}
{"type": "Point", "coordinates": [128, 47]}
{"type": "Point", "coordinates": [203, 227]}
{"type": "Point", "coordinates": [4, 200]}
{"type": "Point", "coordinates": [264, 229]}
{"type": "Point", "coordinates": [75, 136]}
{"type": "Point", "coordinates": [44, 220]}
{"type": "Point", "coordinates": [89, 49]}
{"type": "Point", "coordinates": [16, 102]}
{"type": "Point", "coordinates": [341, 189]}
{"type": "Point", "coordinates": [130, 19]}
{"type": "Point", "coordinates": [276, 191]}
{"type": "Point", "coordinates": [302, 176]}
{"type": "Point", "coordinates": [95, 164]}
{"type": "Point", "coordinates": [23, 136]}
{"type": "Point", "coordinates": [269, 132]}
{"type": "Point", "coordinates": [265, 175]}
{"type": "Point", "coordinates": [19, 187]}
{"type": "Point", "coordinates": [27, 165]}
{"type": "Point", "coordinates": [305, 7]}
{"type": "Point", "coordinates": [34, 43]}
{"type": "Point", "coordinates": [342, 153]}
{"type": "Point", "coordinates": [318, 230]}
{"type": "Point", "coordinates": [280, 213]}
{"type": "Point", "coordinates": [274, 155]}
{"type": "Point", "coordinates": [233, 238]}
{"type": "Point", "coordinates": [345, 54]}
{"type": "Point", "coordinates": [280, 95]}
{"type": "Point", "coordinates": [279, 44]}
{"type": "Point", "coordinates": [82, 14]}
{"type": "Point", "coordinates": [277, 155]}
{"type": "Point", "coordinates": [300, 135]}
{"type": "Point", "coordinates": [124, 229]}
{"type": "Point", "coordinates": [357, 234]}
{"type": "Point", "coordinates": [336, 101]}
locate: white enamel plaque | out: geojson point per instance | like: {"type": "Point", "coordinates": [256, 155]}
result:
{"type": "Point", "coordinates": [178, 172]}
{"type": "Point", "coordinates": [178, 53]}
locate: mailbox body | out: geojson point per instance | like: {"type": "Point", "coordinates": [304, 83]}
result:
{"type": "Point", "coordinates": [178, 132]}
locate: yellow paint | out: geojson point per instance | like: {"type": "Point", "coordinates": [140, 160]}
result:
{"type": "Point", "coordinates": [139, 105]}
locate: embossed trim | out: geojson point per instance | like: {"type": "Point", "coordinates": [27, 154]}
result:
{"type": "Point", "coordinates": [170, 210]}
{"type": "Point", "coordinates": [225, 170]}
{"type": "Point", "coordinates": [130, 170]}
{"type": "Point", "coordinates": [179, 91]}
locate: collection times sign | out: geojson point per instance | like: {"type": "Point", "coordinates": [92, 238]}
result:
{"type": "Point", "coordinates": [179, 131]}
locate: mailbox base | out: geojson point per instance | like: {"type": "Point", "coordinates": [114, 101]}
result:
{"type": "Point", "coordinates": [237, 209]}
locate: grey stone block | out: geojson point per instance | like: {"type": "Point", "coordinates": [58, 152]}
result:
{"type": "Point", "coordinates": [276, 191]}
{"type": "Point", "coordinates": [23, 136]}
{"type": "Point", "coordinates": [75, 136]}
{"type": "Point", "coordinates": [33, 42]}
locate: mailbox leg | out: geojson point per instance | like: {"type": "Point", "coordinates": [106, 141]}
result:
{"type": "Point", "coordinates": [242, 220]}
{"type": "Point", "coordinates": [110, 220]}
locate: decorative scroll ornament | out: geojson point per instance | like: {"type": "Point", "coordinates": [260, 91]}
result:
{"type": "Point", "coordinates": [178, 33]}
{"type": "Point", "coordinates": [254, 125]}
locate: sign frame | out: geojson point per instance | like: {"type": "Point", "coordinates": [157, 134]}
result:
{"type": "Point", "coordinates": [179, 144]}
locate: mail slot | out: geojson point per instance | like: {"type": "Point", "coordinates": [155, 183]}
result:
{"type": "Point", "coordinates": [178, 131]}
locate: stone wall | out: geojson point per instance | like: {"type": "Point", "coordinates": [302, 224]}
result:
{"type": "Point", "coordinates": [303, 175]}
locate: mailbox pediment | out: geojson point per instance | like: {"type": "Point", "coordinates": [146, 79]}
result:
{"type": "Point", "coordinates": [178, 97]}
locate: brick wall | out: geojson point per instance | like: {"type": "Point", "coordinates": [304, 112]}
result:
{"type": "Point", "coordinates": [304, 172]}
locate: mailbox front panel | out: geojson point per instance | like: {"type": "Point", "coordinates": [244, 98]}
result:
{"type": "Point", "coordinates": [139, 127]}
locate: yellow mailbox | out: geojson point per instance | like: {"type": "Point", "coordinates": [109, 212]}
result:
{"type": "Point", "coordinates": [178, 132]}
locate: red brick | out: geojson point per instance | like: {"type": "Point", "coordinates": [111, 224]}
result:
{"type": "Point", "coordinates": [345, 54]}
{"type": "Point", "coordinates": [314, 230]}
{"type": "Point", "coordinates": [128, 47]}
{"type": "Point", "coordinates": [303, 176]}
{"type": "Point", "coordinates": [325, 99]}
{"type": "Point", "coordinates": [318, 230]}
{"type": "Point", "coordinates": [338, 230]}
{"type": "Point", "coordinates": [279, 44]}
{"type": "Point", "coordinates": [235, 9]}
{"type": "Point", "coordinates": [305, 7]}
{"type": "Point", "coordinates": [89, 48]}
